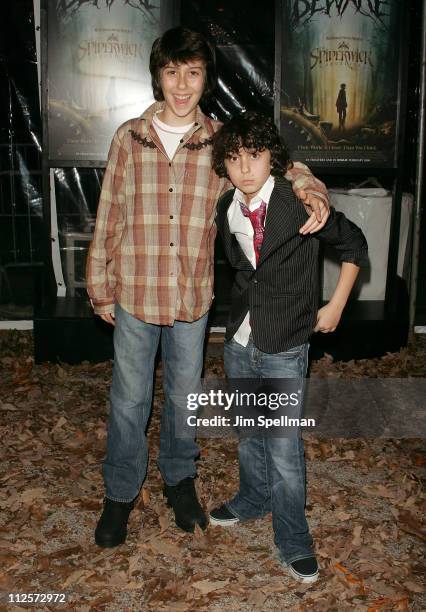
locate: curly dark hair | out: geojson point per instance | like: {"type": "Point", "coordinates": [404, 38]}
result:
{"type": "Point", "coordinates": [254, 132]}
{"type": "Point", "coordinates": [181, 45]}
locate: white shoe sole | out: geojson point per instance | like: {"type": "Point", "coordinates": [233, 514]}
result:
{"type": "Point", "coordinates": [302, 577]}
{"type": "Point", "coordinates": [223, 523]}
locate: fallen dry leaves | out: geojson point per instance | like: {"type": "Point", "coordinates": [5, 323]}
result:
{"type": "Point", "coordinates": [364, 505]}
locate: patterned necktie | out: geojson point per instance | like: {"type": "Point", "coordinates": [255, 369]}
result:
{"type": "Point", "coordinates": [257, 218]}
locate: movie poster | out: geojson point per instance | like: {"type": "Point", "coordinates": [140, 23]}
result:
{"type": "Point", "coordinates": [98, 75]}
{"type": "Point", "coordinates": [339, 82]}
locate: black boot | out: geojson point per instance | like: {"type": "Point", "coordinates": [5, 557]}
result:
{"type": "Point", "coordinates": [183, 499]}
{"type": "Point", "coordinates": [111, 529]}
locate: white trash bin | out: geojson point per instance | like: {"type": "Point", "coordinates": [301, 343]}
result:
{"type": "Point", "coordinates": [371, 210]}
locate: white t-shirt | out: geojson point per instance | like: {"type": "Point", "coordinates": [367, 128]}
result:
{"type": "Point", "coordinates": [170, 135]}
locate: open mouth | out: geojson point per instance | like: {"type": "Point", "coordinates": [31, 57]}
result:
{"type": "Point", "coordinates": [182, 99]}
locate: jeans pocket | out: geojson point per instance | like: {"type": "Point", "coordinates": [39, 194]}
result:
{"type": "Point", "coordinates": [293, 351]}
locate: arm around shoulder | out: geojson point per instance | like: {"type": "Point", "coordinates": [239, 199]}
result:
{"type": "Point", "coordinates": [313, 194]}
{"type": "Point", "coordinates": [346, 238]}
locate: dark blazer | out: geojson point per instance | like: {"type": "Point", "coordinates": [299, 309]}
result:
{"type": "Point", "coordinates": [282, 292]}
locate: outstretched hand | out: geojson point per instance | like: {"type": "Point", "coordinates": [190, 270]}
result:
{"type": "Point", "coordinates": [317, 209]}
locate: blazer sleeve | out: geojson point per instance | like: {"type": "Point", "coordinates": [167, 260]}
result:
{"type": "Point", "coordinates": [346, 238]}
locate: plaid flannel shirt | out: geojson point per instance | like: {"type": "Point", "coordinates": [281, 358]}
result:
{"type": "Point", "coordinates": [153, 246]}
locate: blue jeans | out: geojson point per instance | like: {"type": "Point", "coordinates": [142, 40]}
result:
{"type": "Point", "coordinates": [272, 470]}
{"type": "Point", "coordinates": [135, 347]}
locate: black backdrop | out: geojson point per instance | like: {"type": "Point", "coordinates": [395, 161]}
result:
{"type": "Point", "coordinates": [245, 39]}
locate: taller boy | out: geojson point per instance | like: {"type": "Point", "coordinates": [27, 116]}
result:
{"type": "Point", "coordinates": [150, 273]}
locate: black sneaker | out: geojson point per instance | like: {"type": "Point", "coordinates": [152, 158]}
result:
{"type": "Point", "coordinates": [183, 499]}
{"type": "Point", "coordinates": [112, 526]}
{"type": "Point", "coordinates": [222, 516]}
{"type": "Point", "coordinates": [304, 570]}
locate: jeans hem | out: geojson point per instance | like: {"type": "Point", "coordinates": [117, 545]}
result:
{"type": "Point", "coordinates": [292, 559]}
{"type": "Point", "coordinates": [232, 511]}
{"type": "Point", "coordinates": [240, 517]}
{"type": "Point", "coordinates": [193, 476]}
{"type": "Point", "coordinates": [120, 499]}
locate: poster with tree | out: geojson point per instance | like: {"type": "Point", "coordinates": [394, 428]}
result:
{"type": "Point", "coordinates": [339, 81]}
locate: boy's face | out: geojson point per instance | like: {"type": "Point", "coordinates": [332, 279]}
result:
{"type": "Point", "coordinates": [182, 86]}
{"type": "Point", "coordinates": [248, 170]}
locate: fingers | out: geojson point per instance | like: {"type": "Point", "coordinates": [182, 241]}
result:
{"type": "Point", "coordinates": [311, 225]}
{"type": "Point", "coordinates": [108, 318]}
{"type": "Point", "coordinates": [323, 326]}
{"type": "Point", "coordinates": [301, 194]}
{"type": "Point", "coordinates": [324, 330]}
{"type": "Point", "coordinates": [314, 204]}
{"type": "Point", "coordinates": [316, 207]}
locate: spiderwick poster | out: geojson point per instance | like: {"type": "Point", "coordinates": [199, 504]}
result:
{"type": "Point", "coordinates": [339, 81]}
{"type": "Point", "coordinates": [97, 72]}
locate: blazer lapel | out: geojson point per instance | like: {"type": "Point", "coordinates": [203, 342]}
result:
{"type": "Point", "coordinates": [278, 219]}
{"type": "Point", "coordinates": [230, 243]}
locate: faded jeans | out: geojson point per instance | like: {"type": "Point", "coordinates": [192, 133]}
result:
{"type": "Point", "coordinates": [135, 347]}
{"type": "Point", "coordinates": [272, 469]}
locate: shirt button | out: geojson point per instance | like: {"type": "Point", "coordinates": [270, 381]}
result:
{"type": "Point", "coordinates": [181, 140]}
{"type": "Point", "coordinates": [171, 216]}
{"type": "Point", "coordinates": [170, 163]}
{"type": "Point", "coordinates": [171, 244]}
{"type": "Point", "coordinates": [196, 123]}
{"type": "Point", "coordinates": [170, 189]}
{"type": "Point", "coordinates": [255, 281]}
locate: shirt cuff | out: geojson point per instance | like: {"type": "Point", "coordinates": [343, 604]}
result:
{"type": "Point", "coordinates": [102, 308]}
{"type": "Point", "coordinates": [358, 258]}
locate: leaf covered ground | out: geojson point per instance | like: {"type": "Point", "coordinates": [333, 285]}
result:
{"type": "Point", "coordinates": [365, 506]}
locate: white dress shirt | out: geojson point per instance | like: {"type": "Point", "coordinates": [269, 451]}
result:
{"type": "Point", "coordinates": [242, 228]}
